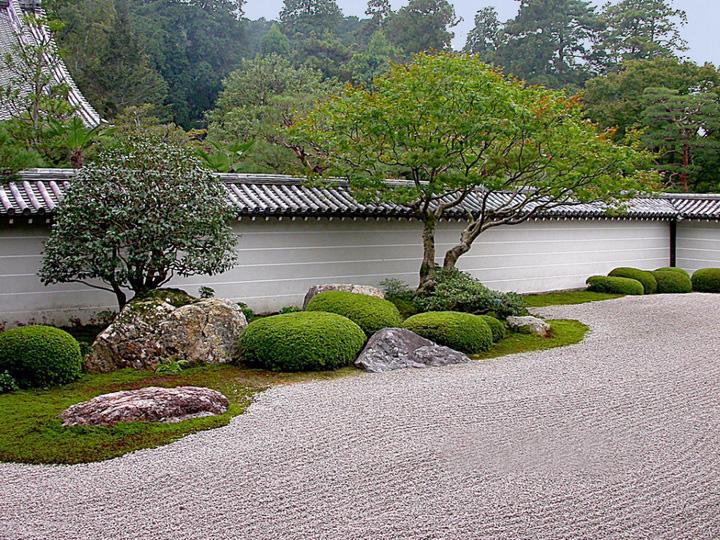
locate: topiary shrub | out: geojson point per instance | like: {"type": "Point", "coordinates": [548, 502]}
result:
{"type": "Point", "coordinates": [615, 285]}
{"type": "Point", "coordinates": [368, 312]}
{"type": "Point", "coordinates": [497, 327]}
{"type": "Point", "coordinates": [302, 341]}
{"type": "Point", "coordinates": [645, 277]}
{"type": "Point", "coordinates": [672, 269]}
{"type": "Point", "coordinates": [671, 281]}
{"type": "Point", "coordinates": [706, 280]}
{"type": "Point", "coordinates": [460, 331]}
{"type": "Point", "coordinates": [40, 356]}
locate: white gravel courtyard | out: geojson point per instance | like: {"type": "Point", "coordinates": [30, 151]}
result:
{"type": "Point", "coordinates": [617, 437]}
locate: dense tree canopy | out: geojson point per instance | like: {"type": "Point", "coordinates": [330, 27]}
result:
{"type": "Point", "coordinates": [422, 25]}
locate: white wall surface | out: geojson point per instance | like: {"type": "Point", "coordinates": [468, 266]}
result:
{"type": "Point", "coordinates": [279, 261]}
{"type": "Point", "coordinates": [698, 245]}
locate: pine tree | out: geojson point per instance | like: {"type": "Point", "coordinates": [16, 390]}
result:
{"type": "Point", "coordinates": [422, 25]}
{"type": "Point", "coordinates": [485, 37]}
{"type": "Point", "coordinates": [305, 17]}
{"type": "Point", "coordinates": [275, 42]}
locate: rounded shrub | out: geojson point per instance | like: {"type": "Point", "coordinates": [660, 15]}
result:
{"type": "Point", "coordinates": [460, 331]}
{"type": "Point", "coordinates": [670, 281]}
{"type": "Point", "coordinates": [497, 327]}
{"type": "Point", "coordinates": [706, 280]}
{"type": "Point", "coordinates": [645, 277]}
{"type": "Point", "coordinates": [368, 312]}
{"type": "Point", "coordinates": [615, 285]}
{"type": "Point", "coordinates": [40, 356]}
{"type": "Point", "coordinates": [672, 269]}
{"type": "Point", "coordinates": [301, 341]}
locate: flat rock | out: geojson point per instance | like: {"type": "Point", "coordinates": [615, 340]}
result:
{"type": "Point", "coordinates": [529, 325]}
{"type": "Point", "coordinates": [345, 287]}
{"type": "Point", "coordinates": [150, 404]}
{"type": "Point", "coordinates": [397, 348]}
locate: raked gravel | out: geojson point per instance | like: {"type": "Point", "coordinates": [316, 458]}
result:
{"type": "Point", "coordinates": [617, 437]}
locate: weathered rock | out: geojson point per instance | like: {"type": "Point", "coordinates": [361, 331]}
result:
{"type": "Point", "coordinates": [397, 348]}
{"type": "Point", "coordinates": [146, 331]}
{"type": "Point", "coordinates": [529, 325]}
{"type": "Point", "coordinates": [345, 287]}
{"type": "Point", "coordinates": [151, 404]}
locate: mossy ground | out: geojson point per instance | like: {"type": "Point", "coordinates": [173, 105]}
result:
{"type": "Point", "coordinates": [560, 298]}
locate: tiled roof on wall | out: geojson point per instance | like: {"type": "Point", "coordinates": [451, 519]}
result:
{"type": "Point", "coordinates": [696, 205]}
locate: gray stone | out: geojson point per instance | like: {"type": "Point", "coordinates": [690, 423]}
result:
{"type": "Point", "coordinates": [345, 287]}
{"type": "Point", "coordinates": [150, 404]}
{"type": "Point", "coordinates": [397, 348]}
{"type": "Point", "coordinates": [529, 325]}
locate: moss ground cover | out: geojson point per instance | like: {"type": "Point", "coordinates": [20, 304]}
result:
{"type": "Point", "coordinates": [562, 298]}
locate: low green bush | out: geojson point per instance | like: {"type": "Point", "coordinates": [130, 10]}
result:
{"type": "Point", "coordinates": [497, 327]}
{"type": "Point", "coordinates": [368, 312]}
{"type": "Point", "coordinates": [615, 285]}
{"type": "Point", "coordinates": [302, 341]}
{"type": "Point", "coordinates": [460, 331]}
{"type": "Point", "coordinates": [671, 281]}
{"type": "Point", "coordinates": [7, 383]}
{"type": "Point", "coordinates": [645, 277]}
{"type": "Point", "coordinates": [706, 280]}
{"type": "Point", "coordinates": [40, 356]}
{"type": "Point", "coordinates": [672, 269]}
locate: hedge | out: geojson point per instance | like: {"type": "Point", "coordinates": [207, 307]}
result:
{"type": "Point", "coordinates": [671, 281]}
{"type": "Point", "coordinates": [498, 328]}
{"type": "Point", "coordinates": [615, 285]}
{"type": "Point", "coordinates": [40, 356]}
{"type": "Point", "coordinates": [368, 312]}
{"type": "Point", "coordinates": [460, 331]}
{"type": "Point", "coordinates": [645, 277]}
{"type": "Point", "coordinates": [706, 280]}
{"type": "Point", "coordinates": [672, 269]}
{"type": "Point", "coordinates": [302, 341]}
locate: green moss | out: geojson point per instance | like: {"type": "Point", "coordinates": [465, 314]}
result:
{"type": "Point", "coordinates": [368, 312]}
{"type": "Point", "coordinates": [460, 331]}
{"type": "Point", "coordinates": [706, 280]}
{"type": "Point", "coordinates": [672, 281]}
{"type": "Point", "coordinates": [497, 327]}
{"type": "Point", "coordinates": [563, 298]}
{"type": "Point", "coordinates": [174, 297]}
{"type": "Point", "coordinates": [615, 285]}
{"type": "Point", "coordinates": [645, 277]}
{"type": "Point", "coordinates": [563, 333]}
{"type": "Point", "coordinates": [672, 269]}
{"type": "Point", "coordinates": [40, 356]}
{"type": "Point", "coordinates": [303, 341]}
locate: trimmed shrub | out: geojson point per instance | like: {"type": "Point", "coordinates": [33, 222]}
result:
{"type": "Point", "coordinates": [460, 331]}
{"type": "Point", "coordinates": [670, 281]}
{"type": "Point", "coordinates": [672, 269]}
{"type": "Point", "coordinates": [645, 277]}
{"type": "Point", "coordinates": [302, 341]}
{"type": "Point", "coordinates": [615, 285]}
{"type": "Point", "coordinates": [40, 356]}
{"type": "Point", "coordinates": [497, 327]}
{"type": "Point", "coordinates": [706, 280]}
{"type": "Point", "coordinates": [368, 312]}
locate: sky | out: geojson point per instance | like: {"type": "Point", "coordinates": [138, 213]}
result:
{"type": "Point", "coordinates": [700, 32]}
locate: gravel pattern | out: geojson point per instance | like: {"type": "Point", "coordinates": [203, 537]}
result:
{"type": "Point", "coordinates": [616, 437]}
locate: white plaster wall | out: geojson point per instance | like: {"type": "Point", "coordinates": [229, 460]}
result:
{"type": "Point", "coordinates": [698, 245]}
{"type": "Point", "coordinates": [279, 261]}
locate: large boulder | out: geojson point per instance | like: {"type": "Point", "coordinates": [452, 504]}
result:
{"type": "Point", "coordinates": [150, 404]}
{"type": "Point", "coordinates": [146, 331]}
{"type": "Point", "coordinates": [529, 325]}
{"type": "Point", "coordinates": [397, 348]}
{"type": "Point", "coordinates": [344, 287]}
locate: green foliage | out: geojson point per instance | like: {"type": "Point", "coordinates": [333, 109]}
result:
{"type": "Point", "coordinates": [85, 348]}
{"type": "Point", "coordinates": [398, 292]}
{"type": "Point", "coordinates": [303, 341]}
{"type": "Point", "coordinates": [673, 269]}
{"type": "Point", "coordinates": [670, 281]}
{"type": "Point", "coordinates": [40, 356]}
{"type": "Point", "coordinates": [175, 297]}
{"type": "Point", "coordinates": [422, 25]}
{"type": "Point", "coordinates": [645, 277]}
{"type": "Point", "coordinates": [247, 311]}
{"type": "Point", "coordinates": [289, 309]}
{"type": "Point", "coordinates": [615, 285]}
{"type": "Point", "coordinates": [207, 292]}
{"type": "Point", "coordinates": [486, 36]}
{"type": "Point", "coordinates": [134, 219]}
{"type": "Point", "coordinates": [364, 66]}
{"type": "Point", "coordinates": [459, 291]}
{"type": "Point", "coordinates": [306, 17]}
{"type": "Point", "coordinates": [275, 42]}
{"type": "Point", "coordinates": [171, 366]}
{"type": "Point", "coordinates": [7, 383]}
{"type": "Point", "coordinates": [460, 331]}
{"type": "Point", "coordinates": [706, 280]}
{"type": "Point", "coordinates": [497, 327]}
{"type": "Point", "coordinates": [564, 298]}
{"type": "Point", "coordinates": [14, 154]}
{"type": "Point", "coordinates": [368, 312]}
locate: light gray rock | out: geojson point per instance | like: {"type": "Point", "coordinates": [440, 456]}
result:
{"type": "Point", "coordinates": [397, 348]}
{"type": "Point", "coordinates": [150, 404]}
{"type": "Point", "coordinates": [345, 287]}
{"type": "Point", "coordinates": [529, 325]}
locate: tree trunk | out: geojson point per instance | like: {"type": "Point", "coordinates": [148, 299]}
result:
{"type": "Point", "coordinates": [120, 295]}
{"type": "Point", "coordinates": [427, 268]}
{"type": "Point", "coordinates": [686, 168]}
{"type": "Point", "coordinates": [467, 237]}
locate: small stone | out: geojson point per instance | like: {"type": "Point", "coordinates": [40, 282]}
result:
{"type": "Point", "coordinates": [344, 287]}
{"type": "Point", "coordinates": [529, 325]}
{"type": "Point", "coordinates": [150, 404]}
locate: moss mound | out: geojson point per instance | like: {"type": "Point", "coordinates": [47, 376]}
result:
{"type": "Point", "coordinates": [40, 356]}
{"type": "Point", "coordinates": [460, 331]}
{"type": "Point", "coordinates": [706, 280]}
{"type": "Point", "coordinates": [301, 341]}
{"type": "Point", "coordinates": [368, 312]}
{"type": "Point", "coordinates": [645, 277]}
{"type": "Point", "coordinates": [615, 285]}
{"type": "Point", "coordinates": [672, 269]}
{"type": "Point", "coordinates": [671, 281]}
{"type": "Point", "coordinates": [497, 327]}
